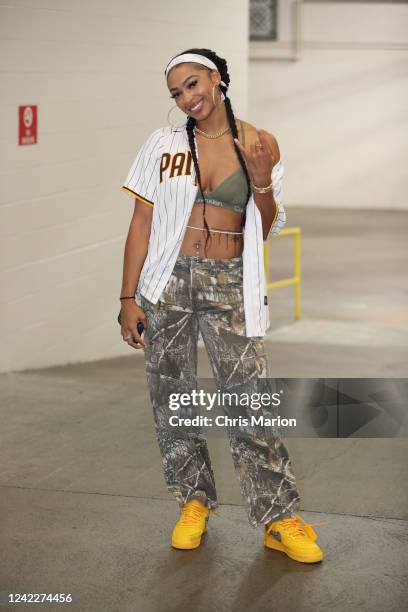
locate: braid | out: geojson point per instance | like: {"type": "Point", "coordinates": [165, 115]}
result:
{"type": "Point", "coordinates": [223, 70]}
{"type": "Point", "coordinates": [231, 120]}
{"type": "Point", "coordinates": [190, 127]}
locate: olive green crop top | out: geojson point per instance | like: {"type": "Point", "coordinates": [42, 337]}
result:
{"type": "Point", "coordinates": [231, 192]}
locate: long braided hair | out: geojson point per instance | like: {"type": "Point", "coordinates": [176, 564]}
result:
{"type": "Point", "coordinates": [223, 70]}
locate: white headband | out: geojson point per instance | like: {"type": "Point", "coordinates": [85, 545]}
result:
{"type": "Point", "coordinates": [193, 57]}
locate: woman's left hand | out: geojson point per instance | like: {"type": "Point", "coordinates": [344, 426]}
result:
{"type": "Point", "coordinates": [259, 160]}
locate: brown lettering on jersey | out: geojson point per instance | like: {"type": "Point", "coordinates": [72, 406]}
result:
{"type": "Point", "coordinates": [178, 164]}
{"type": "Point", "coordinates": [164, 164]}
{"type": "Point", "coordinates": [188, 164]}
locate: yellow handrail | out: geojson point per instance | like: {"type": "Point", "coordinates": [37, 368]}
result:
{"type": "Point", "coordinates": [296, 279]}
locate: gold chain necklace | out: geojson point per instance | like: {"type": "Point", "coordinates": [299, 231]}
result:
{"type": "Point", "coordinates": [212, 135]}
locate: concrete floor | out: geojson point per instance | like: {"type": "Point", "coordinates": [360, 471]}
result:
{"type": "Point", "coordinates": [84, 508]}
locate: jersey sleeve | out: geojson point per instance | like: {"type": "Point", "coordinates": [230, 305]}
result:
{"type": "Point", "coordinates": [143, 176]}
{"type": "Point", "coordinates": [280, 217]}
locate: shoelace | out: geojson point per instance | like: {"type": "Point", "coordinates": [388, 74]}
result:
{"type": "Point", "coordinates": [190, 514]}
{"type": "Point", "coordinates": [297, 527]}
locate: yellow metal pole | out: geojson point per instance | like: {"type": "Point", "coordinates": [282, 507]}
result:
{"type": "Point", "coordinates": [296, 279]}
{"type": "Point", "coordinates": [297, 276]}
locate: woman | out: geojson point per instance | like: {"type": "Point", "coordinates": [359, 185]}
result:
{"type": "Point", "coordinates": [194, 259]}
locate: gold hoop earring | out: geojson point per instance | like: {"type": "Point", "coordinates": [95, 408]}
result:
{"type": "Point", "coordinates": [222, 96]}
{"type": "Point", "coordinates": [172, 108]}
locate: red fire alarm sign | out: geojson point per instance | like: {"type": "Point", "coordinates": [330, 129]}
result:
{"type": "Point", "coordinates": [27, 125]}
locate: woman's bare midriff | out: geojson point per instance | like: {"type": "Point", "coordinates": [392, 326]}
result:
{"type": "Point", "coordinates": [219, 245]}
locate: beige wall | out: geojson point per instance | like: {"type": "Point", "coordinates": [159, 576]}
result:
{"type": "Point", "coordinates": [95, 70]}
{"type": "Point", "coordinates": [339, 111]}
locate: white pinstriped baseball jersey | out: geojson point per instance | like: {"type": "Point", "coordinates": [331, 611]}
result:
{"type": "Point", "coordinates": [163, 176]}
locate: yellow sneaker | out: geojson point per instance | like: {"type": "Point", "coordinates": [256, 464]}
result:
{"type": "Point", "coordinates": [293, 537]}
{"type": "Point", "coordinates": [191, 525]}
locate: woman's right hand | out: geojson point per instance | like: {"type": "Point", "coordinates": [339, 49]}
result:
{"type": "Point", "coordinates": [130, 316]}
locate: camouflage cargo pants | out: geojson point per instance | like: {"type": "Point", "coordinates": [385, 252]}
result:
{"type": "Point", "coordinates": [206, 295]}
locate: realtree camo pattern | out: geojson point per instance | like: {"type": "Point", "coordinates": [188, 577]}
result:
{"type": "Point", "coordinates": [207, 295]}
